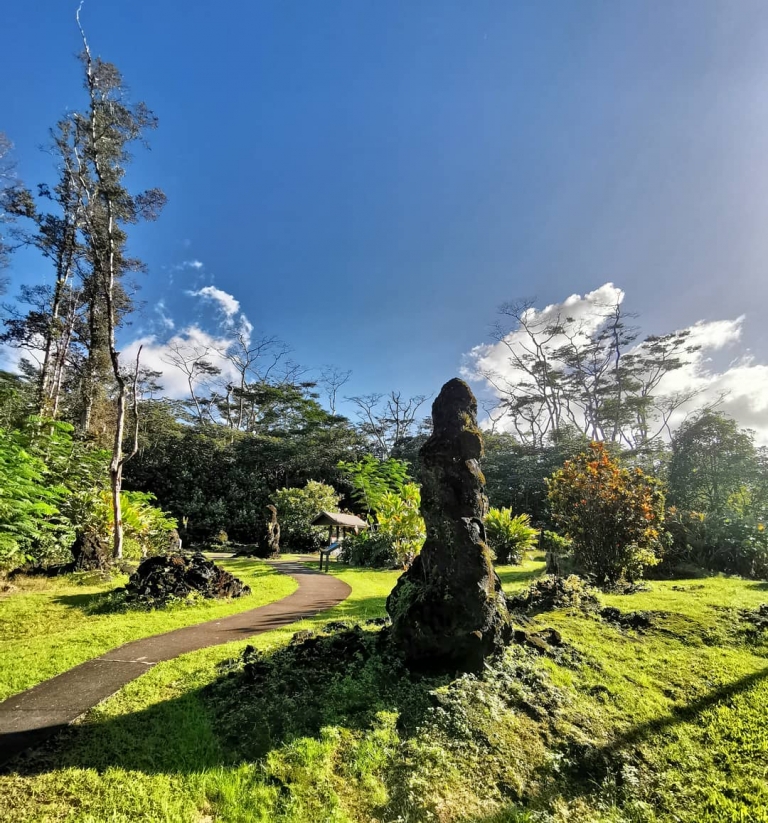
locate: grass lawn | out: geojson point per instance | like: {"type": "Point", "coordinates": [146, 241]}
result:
{"type": "Point", "coordinates": [49, 625]}
{"type": "Point", "coordinates": [667, 724]}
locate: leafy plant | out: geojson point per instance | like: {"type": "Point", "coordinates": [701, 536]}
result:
{"type": "Point", "coordinates": [372, 479]}
{"type": "Point", "coordinates": [297, 508]}
{"type": "Point", "coordinates": [555, 543]}
{"type": "Point", "coordinates": [147, 528]}
{"type": "Point", "coordinates": [29, 503]}
{"type": "Point", "coordinates": [399, 519]}
{"type": "Point", "coordinates": [373, 549]}
{"type": "Point", "coordinates": [509, 537]}
{"type": "Point", "coordinates": [613, 515]}
{"type": "Point", "coordinates": [730, 543]}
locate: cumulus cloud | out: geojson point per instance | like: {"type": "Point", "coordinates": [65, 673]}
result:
{"type": "Point", "coordinates": [224, 301]}
{"type": "Point", "coordinates": [173, 356]}
{"type": "Point", "coordinates": [187, 345]}
{"type": "Point", "coordinates": [738, 387]}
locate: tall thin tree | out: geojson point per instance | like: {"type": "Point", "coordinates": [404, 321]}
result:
{"type": "Point", "coordinates": [105, 132]}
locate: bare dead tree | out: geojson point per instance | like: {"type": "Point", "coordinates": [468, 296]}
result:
{"type": "Point", "coordinates": [386, 420]}
{"type": "Point", "coordinates": [192, 361]}
{"type": "Point", "coordinates": [332, 379]}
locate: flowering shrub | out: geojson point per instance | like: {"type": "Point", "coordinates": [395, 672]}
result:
{"type": "Point", "coordinates": [613, 515]}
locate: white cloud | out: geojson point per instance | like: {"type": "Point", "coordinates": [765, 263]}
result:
{"type": "Point", "coordinates": [189, 264]}
{"type": "Point", "coordinates": [166, 321]}
{"type": "Point", "coordinates": [226, 303]}
{"type": "Point", "coordinates": [588, 312]}
{"type": "Point", "coordinates": [162, 354]}
{"type": "Point", "coordinates": [191, 342]}
{"type": "Point", "coordinates": [738, 388]}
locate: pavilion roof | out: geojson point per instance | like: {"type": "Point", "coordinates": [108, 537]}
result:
{"type": "Point", "coordinates": [339, 519]}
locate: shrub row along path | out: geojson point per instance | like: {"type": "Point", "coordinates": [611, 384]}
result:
{"type": "Point", "coordinates": [28, 718]}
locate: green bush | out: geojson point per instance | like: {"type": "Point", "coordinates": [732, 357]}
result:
{"type": "Point", "coordinates": [373, 549]}
{"type": "Point", "coordinates": [509, 537]}
{"type": "Point", "coordinates": [400, 521]}
{"type": "Point", "coordinates": [730, 543]}
{"type": "Point", "coordinates": [554, 543]}
{"type": "Point", "coordinates": [297, 508]}
{"type": "Point", "coordinates": [147, 529]}
{"type": "Point", "coordinates": [30, 520]}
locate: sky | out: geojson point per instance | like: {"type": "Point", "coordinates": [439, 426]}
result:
{"type": "Point", "coordinates": [369, 181]}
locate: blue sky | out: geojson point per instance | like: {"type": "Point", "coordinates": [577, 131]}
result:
{"type": "Point", "coordinates": [369, 180]}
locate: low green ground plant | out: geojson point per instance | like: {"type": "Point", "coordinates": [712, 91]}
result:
{"type": "Point", "coordinates": [509, 536]}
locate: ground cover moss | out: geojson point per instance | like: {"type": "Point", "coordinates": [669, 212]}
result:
{"type": "Point", "coordinates": [664, 724]}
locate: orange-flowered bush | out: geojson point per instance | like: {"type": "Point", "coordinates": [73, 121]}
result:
{"type": "Point", "coordinates": [613, 515]}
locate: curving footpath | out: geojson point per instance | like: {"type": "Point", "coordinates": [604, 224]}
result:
{"type": "Point", "coordinates": [28, 718]}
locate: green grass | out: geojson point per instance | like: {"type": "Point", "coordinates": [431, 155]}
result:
{"type": "Point", "coordinates": [50, 625]}
{"type": "Point", "coordinates": [666, 725]}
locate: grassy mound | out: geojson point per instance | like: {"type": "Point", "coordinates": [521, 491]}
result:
{"type": "Point", "coordinates": [619, 722]}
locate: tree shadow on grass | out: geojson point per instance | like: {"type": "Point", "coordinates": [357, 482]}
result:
{"type": "Point", "coordinates": [511, 576]}
{"type": "Point", "coordinates": [586, 767]}
{"type": "Point", "coordinates": [339, 678]}
{"type": "Point", "coordinates": [343, 677]}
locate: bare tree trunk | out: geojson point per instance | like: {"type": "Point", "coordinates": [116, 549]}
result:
{"type": "Point", "coordinates": [107, 278]}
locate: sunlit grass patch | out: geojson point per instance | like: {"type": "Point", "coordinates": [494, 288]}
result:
{"type": "Point", "coordinates": [664, 724]}
{"type": "Point", "coordinates": [50, 625]}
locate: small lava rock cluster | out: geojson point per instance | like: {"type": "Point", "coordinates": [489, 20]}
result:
{"type": "Point", "coordinates": [551, 592]}
{"type": "Point", "coordinates": [627, 620]}
{"type": "Point", "coordinates": [160, 579]}
{"type": "Point", "coordinates": [758, 618]}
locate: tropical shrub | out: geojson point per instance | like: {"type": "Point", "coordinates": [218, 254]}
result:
{"type": "Point", "coordinates": [147, 529]}
{"type": "Point", "coordinates": [372, 549]}
{"type": "Point", "coordinates": [731, 543]}
{"type": "Point", "coordinates": [297, 508]}
{"type": "Point", "coordinates": [613, 515]}
{"type": "Point", "coordinates": [47, 482]}
{"type": "Point", "coordinates": [30, 520]}
{"type": "Point", "coordinates": [399, 520]}
{"type": "Point", "coordinates": [554, 543]}
{"type": "Point", "coordinates": [509, 537]}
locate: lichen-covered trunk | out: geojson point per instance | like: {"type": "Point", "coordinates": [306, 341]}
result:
{"type": "Point", "coordinates": [448, 610]}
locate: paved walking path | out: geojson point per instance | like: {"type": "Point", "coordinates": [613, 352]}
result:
{"type": "Point", "coordinates": [28, 718]}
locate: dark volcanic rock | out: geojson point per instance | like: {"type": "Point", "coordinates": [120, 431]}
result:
{"type": "Point", "coordinates": [549, 593]}
{"type": "Point", "coordinates": [268, 543]}
{"type": "Point", "coordinates": [758, 618]}
{"type": "Point", "coordinates": [448, 610]}
{"type": "Point", "coordinates": [91, 551]}
{"type": "Point", "coordinates": [627, 620]}
{"type": "Point", "coordinates": [158, 579]}
{"type": "Point", "coordinates": [541, 641]}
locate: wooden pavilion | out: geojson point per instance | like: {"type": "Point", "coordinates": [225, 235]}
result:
{"type": "Point", "coordinates": [342, 523]}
